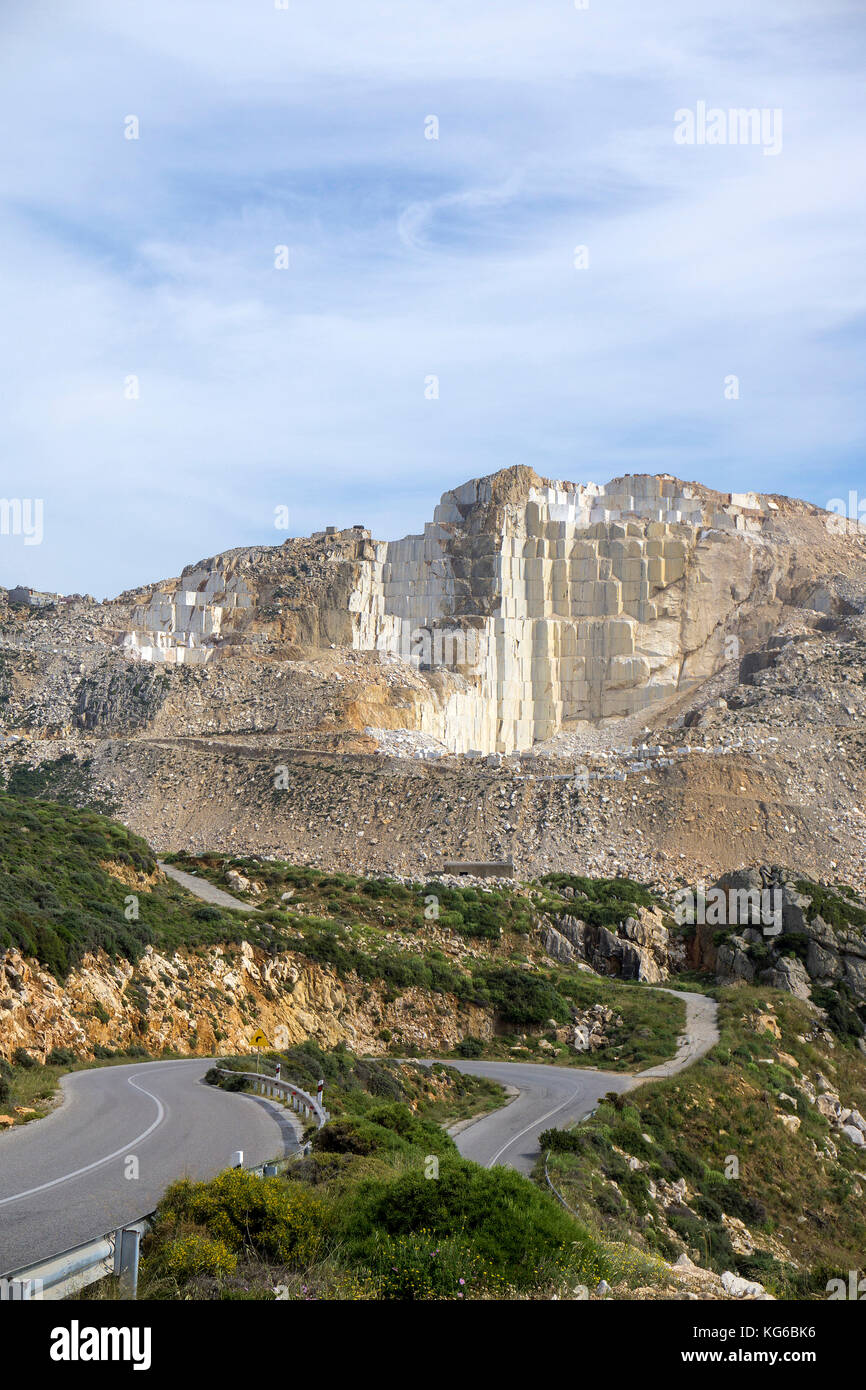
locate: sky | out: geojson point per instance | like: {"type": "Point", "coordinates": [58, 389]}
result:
{"type": "Point", "coordinates": [167, 383]}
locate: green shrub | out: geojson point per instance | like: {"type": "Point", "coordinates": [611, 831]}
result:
{"type": "Point", "coordinates": [344, 1137]}
{"type": "Point", "coordinates": [513, 1226]}
{"type": "Point", "coordinates": [521, 997]}
{"type": "Point", "coordinates": [60, 1057]}
{"type": "Point", "coordinates": [601, 902]}
{"type": "Point", "coordinates": [196, 1254]}
{"type": "Point", "coordinates": [235, 1082]}
{"type": "Point", "coordinates": [561, 1141]}
{"type": "Point", "coordinates": [265, 1217]}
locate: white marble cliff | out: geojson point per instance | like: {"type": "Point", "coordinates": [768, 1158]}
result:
{"type": "Point", "coordinates": [526, 604]}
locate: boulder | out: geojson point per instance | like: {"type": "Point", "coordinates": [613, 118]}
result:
{"type": "Point", "coordinates": [829, 1106]}
{"type": "Point", "coordinates": [823, 965]}
{"type": "Point", "coordinates": [788, 973]}
{"type": "Point", "coordinates": [738, 1287]}
{"type": "Point", "coordinates": [732, 961]}
{"type": "Point", "coordinates": [557, 946]}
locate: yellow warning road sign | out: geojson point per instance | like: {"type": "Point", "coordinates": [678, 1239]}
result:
{"type": "Point", "coordinates": [258, 1039]}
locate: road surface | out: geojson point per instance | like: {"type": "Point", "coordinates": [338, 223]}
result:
{"type": "Point", "coordinates": [552, 1097]}
{"type": "Point", "coordinates": [202, 888]}
{"type": "Point", "coordinates": [62, 1178]}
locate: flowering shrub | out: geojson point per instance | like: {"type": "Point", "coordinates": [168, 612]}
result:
{"type": "Point", "coordinates": [265, 1217]}
{"type": "Point", "coordinates": [194, 1254]}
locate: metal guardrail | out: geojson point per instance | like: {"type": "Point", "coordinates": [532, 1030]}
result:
{"type": "Point", "coordinates": [271, 1086]}
{"type": "Point", "coordinates": [64, 1275]}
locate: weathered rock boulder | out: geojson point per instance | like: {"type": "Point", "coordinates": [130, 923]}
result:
{"type": "Point", "coordinates": [640, 948]}
{"type": "Point", "coordinates": [790, 974]}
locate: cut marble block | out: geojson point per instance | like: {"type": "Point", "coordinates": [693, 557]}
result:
{"type": "Point", "coordinates": [540, 600]}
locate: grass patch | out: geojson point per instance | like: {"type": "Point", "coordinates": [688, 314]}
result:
{"type": "Point", "coordinates": [714, 1134]}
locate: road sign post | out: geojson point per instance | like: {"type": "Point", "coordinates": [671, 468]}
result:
{"type": "Point", "coordinates": [258, 1041]}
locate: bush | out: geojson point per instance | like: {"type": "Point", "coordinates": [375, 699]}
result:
{"type": "Point", "coordinates": [196, 1254]}
{"type": "Point", "coordinates": [21, 1058]}
{"type": "Point", "coordinates": [235, 1082]}
{"type": "Point", "coordinates": [265, 1217]}
{"type": "Point", "coordinates": [470, 1047]}
{"type": "Point", "coordinates": [514, 1227]}
{"type": "Point", "coordinates": [601, 902]}
{"type": "Point", "coordinates": [730, 1196]}
{"type": "Point", "coordinates": [841, 1009]}
{"type": "Point", "coordinates": [562, 1141]}
{"type": "Point", "coordinates": [344, 1137]}
{"type": "Point", "coordinates": [60, 1057]}
{"type": "Point", "coordinates": [520, 997]}
{"type": "Point", "coordinates": [383, 1127]}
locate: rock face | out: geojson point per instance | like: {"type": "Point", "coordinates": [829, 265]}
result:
{"type": "Point", "coordinates": [640, 948]}
{"type": "Point", "coordinates": [644, 676]}
{"type": "Point", "coordinates": [800, 951]}
{"type": "Point", "coordinates": [169, 1002]}
{"type": "Point", "coordinates": [527, 603]}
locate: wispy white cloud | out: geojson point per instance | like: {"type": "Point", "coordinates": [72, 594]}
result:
{"type": "Point", "coordinates": [411, 257]}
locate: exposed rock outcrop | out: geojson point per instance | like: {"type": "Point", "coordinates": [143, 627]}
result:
{"type": "Point", "coordinates": [794, 950]}
{"type": "Point", "coordinates": [526, 603]}
{"type": "Point", "coordinates": [211, 1001]}
{"type": "Point", "coordinates": [641, 947]}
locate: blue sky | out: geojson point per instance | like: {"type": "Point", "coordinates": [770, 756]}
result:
{"type": "Point", "coordinates": [411, 257]}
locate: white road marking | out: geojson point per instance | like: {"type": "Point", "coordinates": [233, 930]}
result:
{"type": "Point", "coordinates": [88, 1168]}
{"type": "Point", "coordinates": [539, 1121]}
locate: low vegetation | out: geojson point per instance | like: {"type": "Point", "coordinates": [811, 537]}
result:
{"type": "Point", "coordinates": [383, 1208]}
{"type": "Point", "coordinates": [704, 1164]}
{"type": "Point", "coordinates": [76, 882]}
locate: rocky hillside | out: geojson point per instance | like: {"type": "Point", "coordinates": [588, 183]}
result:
{"type": "Point", "coordinates": [100, 952]}
{"type": "Point", "coordinates": [748, 1169]}
{"type": "Point", "coordinates": [644, 676]}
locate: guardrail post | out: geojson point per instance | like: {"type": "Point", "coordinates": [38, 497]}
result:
{"type": "Point", "coordinates": [127, 1243]}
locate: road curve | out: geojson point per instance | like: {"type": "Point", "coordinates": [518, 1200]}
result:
{"type": "Point", "coordinates": [62, 1179]}
{"type": "Point", "coordinates": [556, 1096]}
{"type": "Point", "coordinates": [204, 889]}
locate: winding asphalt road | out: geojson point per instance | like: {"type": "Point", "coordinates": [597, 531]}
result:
{"type": "Point", "coordinates": [551, 1097]}
{"type": "Point", "coordinates": [204, 889]}
{"type": "Point", "coordinates": [62, 1179]}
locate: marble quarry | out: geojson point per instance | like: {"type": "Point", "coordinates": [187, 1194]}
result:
{"type": "Point", "coordinates": [525, 605]}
